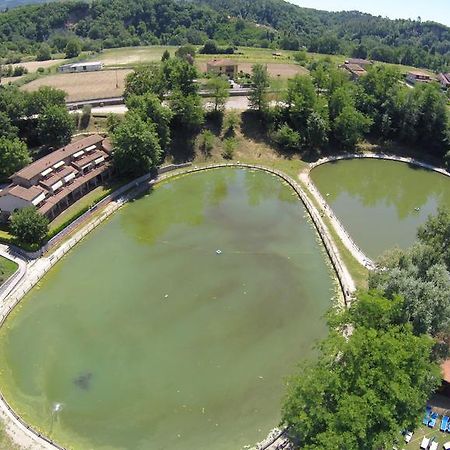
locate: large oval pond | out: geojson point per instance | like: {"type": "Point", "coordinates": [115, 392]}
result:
{"type": "Point", "coordinates": [381, 203]}
{"type": "Point", "coordinates": [146, 337]}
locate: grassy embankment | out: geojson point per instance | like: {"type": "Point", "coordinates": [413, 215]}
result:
{"type": "Point", "coordinates": [7, 268]}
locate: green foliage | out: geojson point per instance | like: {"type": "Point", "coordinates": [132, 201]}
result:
{"type": "Point", "coordinates": [29, 226]}
{"type": "Point", "coordinates": [229, 145]}
{"type": "Point", "coordinates": [366, 389]}
{"type": "Point", "coordinates": [349, 127]}
{"type": "Point", "coordinates": [73, 48]}
{"type": "Point", "coordinates": [219, 91]}
{"type": "Point", "coordinates": [136, 146]}
{"type": "Point", "coordinates": [165, 56]}
{"type": "Point", "coordinates": [13, 156]}
{"type": "Point", "coordinates": [421, 276]}
{"type": "Point", "coordinates": [287, 138]}
{"type": "Point", "coordinates": [44, 53]}
{"type": "Point", "coordinates": [113, 121]}
{"type": "Point", "coordinates": [300, 56]}
{"type": "Point", "coordinates": [7, 129]}
{"type": "Point", "coordinates": [206, 141]}
{"type": "Point", "coordinates": [211, 48]}
{"type": "Point", "coordinates": [45, 96]}
{"type": "Point", "coordinates": [55, 126]}
{"type": "Point", "coordinates": [188, 111]}
{"type": "Point", "coordinates": [230, 123]}
{"type": "Point", "coordinates": [150, 108]}
{"type": "Point", "coordinates": [146, 79]}
{"type": "Point", "coordinates": [260, 82]}
{"type": "Point", "coordinates": [186, 52]}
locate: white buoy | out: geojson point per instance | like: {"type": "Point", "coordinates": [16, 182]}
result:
{"type": "Point", "coordinates": [219, 252]}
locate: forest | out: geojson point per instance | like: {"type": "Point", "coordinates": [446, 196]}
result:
{"type": "Point", "coordinates": [269, 23]}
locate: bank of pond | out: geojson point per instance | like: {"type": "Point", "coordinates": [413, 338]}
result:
{"type": "Point", "coordinates": [381, 203]}
{"type": "Point", "coordinates": [176, 323]}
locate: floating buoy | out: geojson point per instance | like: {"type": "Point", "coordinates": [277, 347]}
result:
{"type": "Point", "coordinates": [219, 252]}
{"type": "Point", "coordinates": [416, 209]}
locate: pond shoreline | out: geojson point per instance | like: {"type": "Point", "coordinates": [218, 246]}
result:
{"type": "Point", "coordinates": [17, 428]}
{"type": "Point", "coordinates": [339, 228]}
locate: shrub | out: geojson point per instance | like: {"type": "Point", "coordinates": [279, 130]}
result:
{"type": "Point", "coordinates": [85, 116]}
{"type": "Point", "coordinates": [287, 138]}
{"type": "Point", "coordinates": [207, 142]}
{"type": "Point", "coordinates": [229, 146]}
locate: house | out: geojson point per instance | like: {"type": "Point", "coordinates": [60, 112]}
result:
{"type": "Point", "coordinates": [444, 79]}
{"type": "Point", "coordinates": [222, 67]}
{"type": "Point", "coordinates": [360, 62]}
{"type": "Point", "coordinates": [59, 179]}
{"type": "Point", "coordinates": [81, 67]}
{"type": "Point", "coordinates": [355, 70]}
{"type": "Point", "coordinates": [417, 76]}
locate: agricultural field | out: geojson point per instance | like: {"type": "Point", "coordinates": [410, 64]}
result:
{"type": "Point", "coordinates": [82, 86]}
{"type": "Point", "coordinates": [33, 66]}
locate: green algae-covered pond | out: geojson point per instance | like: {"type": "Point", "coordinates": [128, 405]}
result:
{"type": "Point", "coordinates": [144, 337]}
{"type": "Point", "coordinates": [381, 203]}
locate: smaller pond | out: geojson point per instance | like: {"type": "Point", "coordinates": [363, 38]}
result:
{"type": "Point", "coordinates": [381, 203]}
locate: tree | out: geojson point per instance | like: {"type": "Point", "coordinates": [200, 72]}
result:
{"type": "Point", "coordinates": [186, 52]}
{"type": "Point", "coordinates": [136, 146]}
{"type": "Point", "coordinates": [73, 48]}
{"type": "Point", "coordinates": [260, 82]}
{"type": "Point", "coordinates": [421, 276]}
{"type": "Point", "coordinates": [150, 108]}
{"type": "Point", "coordinates": [210, 48]}
{"type": "Point", "coordinates": [287, 138]}
{"type": "Point", "coordinates": [27, 225]}
{"type": "Point", "coordinates": [180, 76]}
{"type": "Point", "coordinates": [44, 53]}
{"type": "Point", "coordinates": [219, 90]}
{"type": "Point", "coordinates": [349, 127]}
{"type": "Point", "coordinates": [44, 97]}
{"type": "Point", "coordinates": [7, 129]}
{"type": "Point", "coordinates": [165, 56]}
{"type": "Point", "coordinates": [146, 79]}
{"type": "Point", "coordinates": [13, 156]}
{"type": "Point", "coordinates": [55, 126]}
{"type": "Point", "coordinates": [317, 128]}
{"type": "Point", "coordinates": [365, 389]}
{"type": "Point", "coordinates": [85, 116]}
{"type": "Point", "coordinates": [188, 110]}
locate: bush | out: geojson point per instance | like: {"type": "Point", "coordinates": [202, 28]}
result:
{"type": "Point", "coordinates": [229, 146]}
{"type": "Point", "coordinates": [230, 123]}
{"type": "Point", "coordinates": [19, 71]}
{"type": "Point", "coordinates": [207, 142]}
{"type": "Point", "coordinates": [287, 138]}
{"type": "Point", "coordinates": [29, 226]}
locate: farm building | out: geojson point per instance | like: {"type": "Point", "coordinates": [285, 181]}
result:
{"type": "Point", "coordinates": [59, 179]}
{"type": "Point", "coordinates": [444, 79]}
{"type": "Point", "coordinates": [222, 67]}
{"type": "Point", "coordinates": [357, 67]}
{"type": "Point", "coordinates": [81, 67]}
{"type": "Point", "coordinates": [417, 76]}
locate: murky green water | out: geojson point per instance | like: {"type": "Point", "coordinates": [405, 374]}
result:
{"type": "Point", "coordinates": [149, 339]}
{"type": "Point", "coordinates": [381, 203]}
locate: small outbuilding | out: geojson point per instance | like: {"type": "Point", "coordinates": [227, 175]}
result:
{"type": "Point", "coordinates": [93, 66]}
{"type": "Point", "coordinates": [418, 76]}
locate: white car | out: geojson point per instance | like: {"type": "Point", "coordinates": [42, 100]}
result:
{"type": "Point", "coordinates": [434, 446]}
{"type": "Point", "coordinates": [408, 436]}
{"type": "Point", "coordinates": [425, 443]}
{"type": "Point", "coordinates": [447, 446]}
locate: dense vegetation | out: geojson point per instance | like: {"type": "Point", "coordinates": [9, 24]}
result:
{"type": "Point", "coordinates": [378, 367]}
{"type": "Point", "coordinates": [263, 23]}
{"type": "Point", "coordinates": [36, 119]}
{"type": "Point", "coordinates": [327, 111]}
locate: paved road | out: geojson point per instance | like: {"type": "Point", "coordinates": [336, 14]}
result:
{"type": "Point", "coordinates": [233, 103]}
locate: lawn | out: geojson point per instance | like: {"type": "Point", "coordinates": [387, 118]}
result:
{"type": "Point", "coordinates": [7, 268]}
{"type": "Point", "coordinates": [79, 207]}
{"type": "Point", "coordinates": [82, 86]}
{"type": "Point", "coordinates": [422, 432]}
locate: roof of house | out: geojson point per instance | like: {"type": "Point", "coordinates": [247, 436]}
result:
{"type": "Point", "coordinates": [27, 194]}
{"type": "Point", "coordinates": [359, 61]}
{"type": "Point", "coordinates": [33, 169]}
{"type": "Point", "coordinates": [444, 77]}
{"type": "Point", "coordinates": [222, 62]}
{"type": "Point", "coordinates": [418, 73]}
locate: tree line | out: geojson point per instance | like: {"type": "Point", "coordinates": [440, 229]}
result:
{"type": "Point", "coordinates": [379, 365]}
{"type": "Point", "coordinates": [327, 111]}
{"type": "Point", "coordinates": [269, 23]}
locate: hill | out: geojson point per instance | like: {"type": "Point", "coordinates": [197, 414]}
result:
{"type": "Point", "coordinates": [258, 23]}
